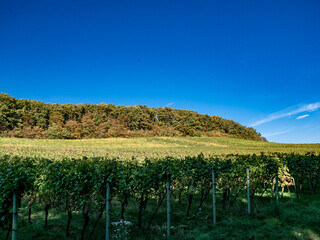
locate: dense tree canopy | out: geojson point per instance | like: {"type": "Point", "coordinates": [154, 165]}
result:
{"type": "Point", "coordinates": [35, 119]}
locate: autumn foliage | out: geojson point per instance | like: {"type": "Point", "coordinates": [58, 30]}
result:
{"type": "Point", "coordinates": [35, 119]}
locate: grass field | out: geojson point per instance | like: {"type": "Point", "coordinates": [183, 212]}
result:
{"type": "Point", "coordinates": [146, 147]}
{"type": "Point", "coordinates": [297, 219]}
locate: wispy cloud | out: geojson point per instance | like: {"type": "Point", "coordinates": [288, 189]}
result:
{"type": "Point", "coordinates": [278, 133]}
{"type": "Point", "coordinates": [169, 104]}
{"type": "Point", "coordinates": [288, 112]}
{"type": "Point", "coordinates": [303, 116]}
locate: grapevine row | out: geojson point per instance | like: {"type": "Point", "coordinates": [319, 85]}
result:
{"type": "Point", "coordinates": [80, 184]}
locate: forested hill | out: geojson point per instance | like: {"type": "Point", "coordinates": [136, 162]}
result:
{"type": "Point", "coordinates": [35, 119]}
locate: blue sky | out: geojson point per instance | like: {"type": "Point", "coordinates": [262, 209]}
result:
{"type": "Point", "coordinates": [255, 62]}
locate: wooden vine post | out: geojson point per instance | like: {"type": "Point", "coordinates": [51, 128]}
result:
{"type": "Point", "coordinates": [15, 218]}
{"type": "Point", "coordinates": [277, 192]}
{"type": "Point", "coordinates": [295, 188]}
{"type": "Point", "coordinates": [248, 190]}
{"type": "Point", "coordinates": [214, 198]}
{"type": "Point", "coordinates": [168, 206]}
{"type": "Point", "coordinates": [108, 211]}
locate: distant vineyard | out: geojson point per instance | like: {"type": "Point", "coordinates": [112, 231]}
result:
{"type": "Point", "coordinates": [79, 185]}
{"type": "Point", "coordinates": [34, 119]}
{"type": "Point", "coordinates": [151, 147]}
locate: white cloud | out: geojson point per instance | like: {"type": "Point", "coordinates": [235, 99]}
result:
{"type": "Point", "coordinates": [169, 104]}
{"type": "Point", "coordinates": [303, 116]}
{"type": "Point", "coordinates": [273, 134]}
{"type": "Point", "coordinates": [288, 113]}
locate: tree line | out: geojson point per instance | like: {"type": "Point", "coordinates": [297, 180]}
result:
{"type": "Point", "coordinates": [35, 119]}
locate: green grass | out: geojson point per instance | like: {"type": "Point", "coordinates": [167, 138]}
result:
{"type": "Point", "coordinates": [146, 147]}
{"type": "Point", "coordinates": [296, 219]}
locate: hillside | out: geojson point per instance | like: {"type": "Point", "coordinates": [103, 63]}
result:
{"type": "Point", "coordinates": [143, 147]}
{"type": "Point", "coordinates": [34, 119]}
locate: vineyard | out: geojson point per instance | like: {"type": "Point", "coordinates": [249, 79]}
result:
{"type": "Point", "coordinates": [152, 147]}
{"type": "Point", "coordinates": [249, 187]}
